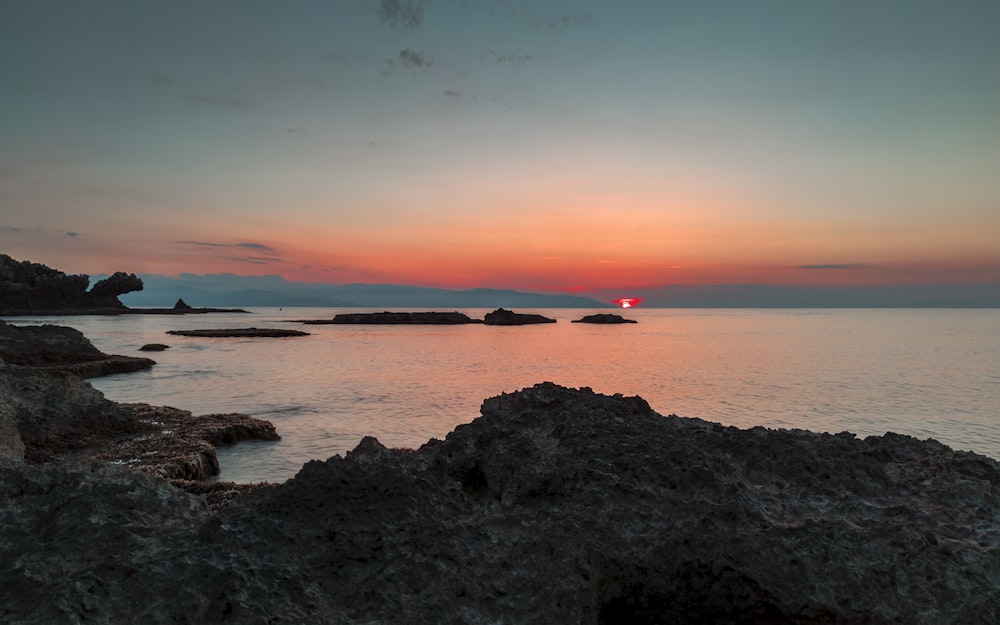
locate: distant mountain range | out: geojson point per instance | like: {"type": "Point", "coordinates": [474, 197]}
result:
{"type": "Point", "coordinates": [228, 290]}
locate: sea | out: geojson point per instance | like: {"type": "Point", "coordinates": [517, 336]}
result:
{"type": "Point", "coordinates": [928, 373]}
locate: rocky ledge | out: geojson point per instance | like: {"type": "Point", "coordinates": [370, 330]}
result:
{"type": "Point", "coordinates": [397, 318]}
{"type": "Point", "coordinates": [504, 317]}
{"type": "Point", "coordinates": [181, 308]}
{"type": "Point", "coordinates": [268, 333]}
{"type": "Point", "coordinates": [604, 318]}
{"type": "Point", "coordinates": [60, 349]}
{"type": "Point", "coordinates": [557, 506]}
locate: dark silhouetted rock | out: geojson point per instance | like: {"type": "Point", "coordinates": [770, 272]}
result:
{"type": "Point", "coordinates": [503, 317]}
{"type": "Point", "coordinates": [181, 305]}
{"type": "Point", "coordinates": [398, 318]}
{"type": "Point", "coordinates": [119, 283]}
{"type": "Point", "coordinates": [604, 318]}
{"type": "Point", "coordinates": [28, 288]}
{"type": "Point", "coordinates": [153, 347]}
{"type": "Point", "coordinates": [61, 349]}
{"type": "Point", "coordinates": [555, 507]}
{"type": "Point", "coordinates": [269, 333]}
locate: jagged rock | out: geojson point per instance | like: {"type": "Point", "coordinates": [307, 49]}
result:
{"type": "Point", "coordinates": [398, 318]}
{"type": "Point", "coordinates": [604, 318]}
{"type": "Point", "coordinates": [153, 347]}
{"type": "Point", "coordinates": [28, 288]}
{"type": "Point", "coordinates": [240, 333]}
{"type": "Point", "coordinates": [503, 317]}
{"type": "Point", "coordinates": [556, 507]}
{"type": "Point", "coordinates": [118, 283]}
{"type": "Point", "coordinates": [60, 349]}
{"type": "Point", "coordinates": [181, 305]}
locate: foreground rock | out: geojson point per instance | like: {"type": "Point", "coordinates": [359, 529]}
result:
{"type": "Point", "coordinates": [269, 333]}
{"type": "Point", "coordinates": [58, 417]}
{"type": "Point", "coordinates": [557, 506]}
{"type": "Point", "coordinates": [398, 318]}
{"type": "Point", "coordinates": [28, 288]}
{"type": "Point", "coordinates": [604, 318]}
{"type": "Point", "coordinates": [61, 349]}
{"type": "Point", "coordinates": [503, 317]}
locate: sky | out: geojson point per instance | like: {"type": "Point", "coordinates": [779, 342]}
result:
{"type": "Point", "coordinates": [588, 147]}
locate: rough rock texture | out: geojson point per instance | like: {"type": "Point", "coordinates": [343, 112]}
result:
{"type": "Point", "coordinates": [399, 318]}
{"type": "Point", "coordinates": [61, 349]}
{"type": "Point", "coordinates": [240, 333]}
{"type": "Point", "coordinates": [557, 506]}
{"type": "Point", "coordinates": [59, 417]}
{"type": "Point", "coordinates": [604, 318]}
{"type": "Point", "coordinates": [504, 317]}
{"type": "Point", "coordinates": [28, 288]}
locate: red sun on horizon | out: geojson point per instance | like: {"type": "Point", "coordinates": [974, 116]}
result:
{"type": "Point", "coordinates": [628, 302]}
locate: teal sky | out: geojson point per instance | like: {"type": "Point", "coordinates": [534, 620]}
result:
{"type": "Point", "coordinates": [537, 145]}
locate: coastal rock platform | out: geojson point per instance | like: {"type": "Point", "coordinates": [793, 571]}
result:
{"type": "Point", "coordinates": [557, 506]}
{"type": "Point", "coordinates": [504, 317]}
{"type": "Point", "coordinates": [268, 333]}
{"type": "Point", "coordinates": [59, 349]}
{"type": "Point", "coordinates": [397, 318]}
{"type": "Point", "coordinates": [604, 318]}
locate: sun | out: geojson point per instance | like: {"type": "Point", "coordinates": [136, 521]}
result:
{"type": "Point", "coordinates": [628, 302]}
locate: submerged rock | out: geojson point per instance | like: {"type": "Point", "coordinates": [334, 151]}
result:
{"type": "Point", "coordinates": [557, 506]}
{"type": "Point", "coordinates": [604, 318]}
{"type": "Point", "coordinates": [504, 317]}
{"type": "Point", "coordinates": [153, 347]}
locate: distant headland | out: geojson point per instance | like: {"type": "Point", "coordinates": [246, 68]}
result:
{"type": "Point", "coordinates": [28, 288]}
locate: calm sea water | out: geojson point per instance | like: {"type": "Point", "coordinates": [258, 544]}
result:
{"type": "Point", "coordinates": [927, 373]}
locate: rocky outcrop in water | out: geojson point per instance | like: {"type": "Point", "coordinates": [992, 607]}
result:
{"type": "Point", "coordinates": [556, 507]}
{"type": "Point", "coordinates": [398, 318]}
{"type": "Point", "coordinates": [60, 349]}
{"type": "Point", "coordinates": [604, 318]}
{"type": "Point", "coordinates": [504, 317]}
{"type": "Point", "coordinates": [28, 288]}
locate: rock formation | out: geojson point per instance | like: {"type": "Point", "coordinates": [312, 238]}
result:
{"type": "Point", "coordinates": [556, 507]}
{"type": "Point", "coordinates": [604, 318]}
{"type": "Point", "coordinates": [398, 318]}
{"type": "Point", "coordinates": [28, 288]}
{"type": "Point", "coordinates": [61, 349]}
{"type": "Point", "coordinates": [270, 333]}
{"type": "Point", "coordinates": [154, 347]}
{"type": "Point", "coordinates": [503, 317]}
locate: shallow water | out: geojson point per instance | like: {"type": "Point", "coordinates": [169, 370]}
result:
{"type": "Point", "coordinates": [927, 373]}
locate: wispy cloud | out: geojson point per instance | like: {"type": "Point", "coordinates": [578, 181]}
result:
{"type": "Point", "coordinates": [412, 58]}
{"type": "Point", "coordinates": [253, 246]}
{"type": "Point", "coordinates": [72, 234]}
{"type": "Point", "coordinates": [401, 14]}
{"type": "Point", "coordinates": [565, 22]}
{"type": "Point", "coordinates": [256, 260]}
{"type": "Point", "coordinates": [16, 229]}
{"type": "Point", "coordinates": [834, 266]}
{"type": "Point", "coordinates": [406, 58]}
{"type": "Point", "coordinates": [512, 60]}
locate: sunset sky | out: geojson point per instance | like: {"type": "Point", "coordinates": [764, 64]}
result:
{"type": "Point", "coordinates": [584, 147]}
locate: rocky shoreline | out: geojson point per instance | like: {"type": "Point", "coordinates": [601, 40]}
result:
{"type": "Point", "coordinates": [556, 506]}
